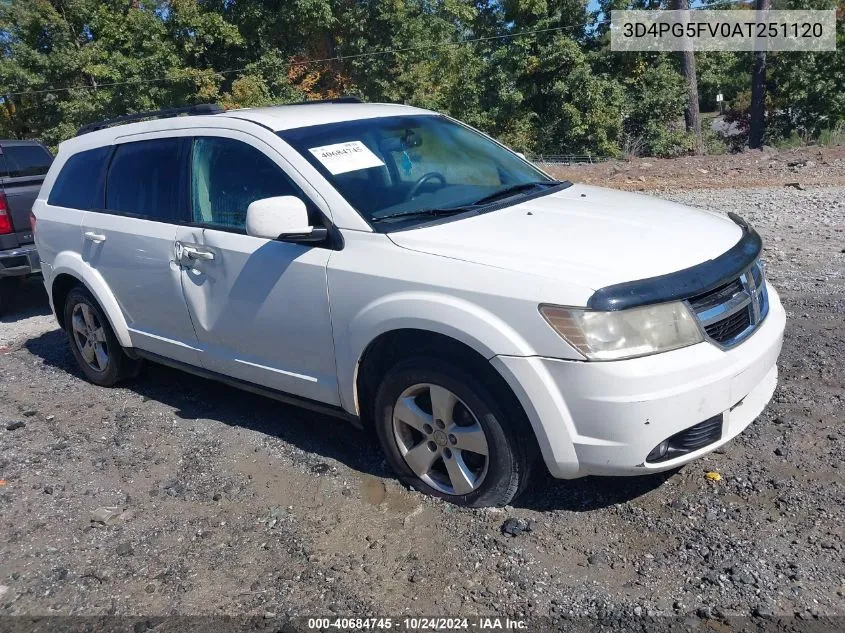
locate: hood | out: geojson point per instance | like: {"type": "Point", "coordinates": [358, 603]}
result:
{"type": "Point", "coordinates": [591, 235]}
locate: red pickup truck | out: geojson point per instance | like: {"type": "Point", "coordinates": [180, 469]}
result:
{"type": "Point", "coordinates": [23, 165]}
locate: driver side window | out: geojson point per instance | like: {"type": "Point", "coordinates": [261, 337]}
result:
{"type": "Point", "coordinates": [227, 176]}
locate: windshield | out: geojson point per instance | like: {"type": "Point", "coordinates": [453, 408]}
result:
{"type": "Point", "coordinates": [408, 169]}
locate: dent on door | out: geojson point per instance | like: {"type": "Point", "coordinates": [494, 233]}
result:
{"type": "Point", "coordinates": [194, 275]}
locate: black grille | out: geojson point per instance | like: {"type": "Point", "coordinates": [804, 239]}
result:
{"type": "Point", "coordinates": [688, 440]}
{"type": "Point", "coordinates": [698, 436]}
{"type": "Point", "coordinates": [733, 311]}
{"type": "Point", "coordinates": [716, 297]}
{"type": "Point", "coordinates": [727, 329]}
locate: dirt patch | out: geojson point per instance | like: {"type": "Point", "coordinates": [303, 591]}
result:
{"type": "Point", "coordinates": [804, 167]}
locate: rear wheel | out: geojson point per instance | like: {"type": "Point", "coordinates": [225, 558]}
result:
{"type": "Point", "coordinates": [92, 341]}
{"type": "Point", "coordinates": [445, 434]}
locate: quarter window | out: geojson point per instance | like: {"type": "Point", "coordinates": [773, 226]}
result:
{"type": "Point", "coordinates": [79, 184]}
{"type": "Point", "coordinates": [144, 179]}
{"type": "Point", "coordinates": [227, 176]}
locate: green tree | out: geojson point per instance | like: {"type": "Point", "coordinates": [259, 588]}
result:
{"type": "Point", "coordinates": [806, 91]}
{"type": "Point", "coordinates": [106, 57]}
{"type": "Point", "coordinates": [559, 101]}
{"type": "Point", "coordinates": [654, 93]}
{"type": "Point", "coordinates": [653, 118]}
{"type": "Point", "coordinates": [537, 74]}
{"type": "Point", "coordinates": [727, 73]}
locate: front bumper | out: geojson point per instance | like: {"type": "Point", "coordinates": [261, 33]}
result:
{"type": "Point", "coordinates": [19, 261]}
{"type": "Point", "coordinates": [604, 418]}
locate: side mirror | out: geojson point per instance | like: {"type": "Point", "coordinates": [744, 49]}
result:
{"type": "Point", "coordinates": [282, 218]}
{"type": "Point", "coordinates": [521, 155]}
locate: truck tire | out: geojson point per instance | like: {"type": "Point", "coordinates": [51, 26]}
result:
{"type": "Point", "coordinates": [5, 294]}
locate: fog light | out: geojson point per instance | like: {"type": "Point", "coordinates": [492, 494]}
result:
{"type": "Point", "coordinates": [658, 452]}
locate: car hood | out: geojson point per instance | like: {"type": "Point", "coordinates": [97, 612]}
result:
{"type": "Point", "coordinates": [589, 235]}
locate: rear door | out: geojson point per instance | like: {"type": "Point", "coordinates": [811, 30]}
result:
{"type": "Point", "coordinates": [131, 243]}
{"type": "Point", "coordinates": [260, 307]}
{"type": "Point", "coordinates": [22, 169]}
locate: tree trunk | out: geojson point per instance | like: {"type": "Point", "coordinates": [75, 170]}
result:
{"type": "Point", "coordinates": [758, 90]}
{"type": "Point", "coordinates": [692, 115]}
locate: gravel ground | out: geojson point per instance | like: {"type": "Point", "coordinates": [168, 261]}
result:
{"type": "Point", "coordinates": [176, 495]}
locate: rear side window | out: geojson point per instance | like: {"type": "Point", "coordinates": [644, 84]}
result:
{"type": "Point", "coordinates": [79, 184]}
{"type": "Point", "coordinates": [145, 180]}
{"type": "Point", "coordinates": [26, 160]}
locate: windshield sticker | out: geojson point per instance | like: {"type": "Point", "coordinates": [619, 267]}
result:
{"type": "Point", "coordinates": [344, 157]}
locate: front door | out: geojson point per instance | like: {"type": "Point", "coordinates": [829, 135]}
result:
{"type": "Point", "coordinates": [130, 244]}
{"type": "Point", "coordinates": [259, 307]}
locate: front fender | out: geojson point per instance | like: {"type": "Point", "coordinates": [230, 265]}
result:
{"type": "Point", "coordinates": [480, 329]}
{"type": "Point", "coordinates": [70, 263]}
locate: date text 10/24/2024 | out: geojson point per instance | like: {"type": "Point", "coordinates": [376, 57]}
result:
{"type": "Point", "coordinates": [480, 623]}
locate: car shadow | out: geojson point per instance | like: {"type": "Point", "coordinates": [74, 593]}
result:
{"type": "Point", "coordinates": [324, 436]}
{"type": "Point", "coordinates": [588, 493]}
{"type": "Point", "coordinates": [195, 398]}
{"type": "Point", "coordinates": [23, 300]}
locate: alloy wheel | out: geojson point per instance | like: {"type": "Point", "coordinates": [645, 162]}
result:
{"type": "Point", "coordinates": [90, 337]}
{"type": "Point", "coordinates": [440, 439]}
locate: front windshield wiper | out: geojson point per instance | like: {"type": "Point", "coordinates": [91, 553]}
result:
{"type": "Point", "coordinates": [444, 212]}
{"type": "Point", "coordinates": [435, 213]}
{"type": "Point", "coordinates": [514, 189]}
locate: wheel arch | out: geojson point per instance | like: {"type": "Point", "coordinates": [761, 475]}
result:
{"type": "Point", "coordinates": [426, 314]}
{"type": "Point", "coordinates": [392, 346]}
{"type": "Point", "coordinates": [69, 270]}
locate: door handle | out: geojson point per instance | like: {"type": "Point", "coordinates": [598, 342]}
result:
{"type": "Point", "coordinates": [97, 238]}
{"type": "Point", "coordinates": [194, 253]}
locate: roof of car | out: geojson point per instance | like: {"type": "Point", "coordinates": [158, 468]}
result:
{"type": "Point", "coordinates": [276, 118]}
{"type": "Point", "coordinates": [288, 117]}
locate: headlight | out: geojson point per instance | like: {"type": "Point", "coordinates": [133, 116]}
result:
{"type": "Point", "coordinates": [626, 333]}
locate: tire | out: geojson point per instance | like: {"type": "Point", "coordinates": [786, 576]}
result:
{"type": "Point", "coordinates": [5, 294]}
{"type": "Point", "coordinates": [453, 447]}
{"type": "Point", "coordinates": [102, 359]}
{"type": "Point", "coordinates": [9, 288]}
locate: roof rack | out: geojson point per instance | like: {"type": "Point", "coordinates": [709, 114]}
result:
{"type": "Point", "coordinates": [334, 100]}
{"type": "Point", "coordinates": [194, 110]}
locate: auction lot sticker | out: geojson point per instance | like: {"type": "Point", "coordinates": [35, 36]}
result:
{"type": "Point", "coordinates": [344, 157]}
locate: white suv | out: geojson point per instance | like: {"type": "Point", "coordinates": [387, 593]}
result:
{"type": "Point", "coordinates": [395, 267]}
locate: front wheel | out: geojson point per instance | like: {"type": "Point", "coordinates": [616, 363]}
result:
{"type": "Point", "coordinates": [445, 434]}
